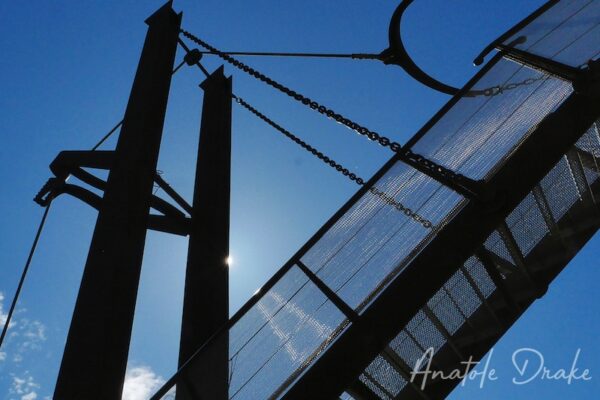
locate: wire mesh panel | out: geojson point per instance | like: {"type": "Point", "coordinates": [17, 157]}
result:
{"type": "Point", "coordinates": [283, 332]}
{"type": "Point", "coordinates": [371, 242]}
{"type": "Point", "coordinates": [568, 32]}
{"type": "Point", "coordinates": [383, 378]}
{"type": "Point", "coordinates": [527, 224]}
{"type": "Point", "coordinates": [479, 131]}
{"type": "Point", "coordinates": [468, 291]}
{"type": "Point", "coordinates": [560, 189]}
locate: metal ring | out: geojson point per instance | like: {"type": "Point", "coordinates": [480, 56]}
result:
{"type": "Point", "coordinates": [396, 54]}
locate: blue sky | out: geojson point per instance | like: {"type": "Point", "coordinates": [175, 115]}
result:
{"type": "Point", "coordinates": [65, 75]}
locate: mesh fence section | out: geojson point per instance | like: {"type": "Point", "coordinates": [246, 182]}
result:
{"type": "Point", "coordinates": [371, 243]}
{"type": "Point", "coordinates": [375, 386]}
{"type": "Point", "coordinates": [452, 306]}
{"type": "Point", "coordinates": [480, 277]}
{"type": "Point", "coordinates": [560, 189]}
{"type": "Point", "coordinates": [446, 311]}
{"type": "Point", "coordinates": [495, 244]}
{"type": "Point", "coordinates": [479, 132]}
{"type": "Point", "coordinates": [568, 32]}
{"type": "Point", "coordinates": [407, 348]}
{"type": "Point", "coordinates": [296, 330]}
{"type": "Point", "coordinates": [386, 376]}
{"type": "Point", "coordinates": [287, 329]}
{"type": "Point", "coordinates": [425, 332]}
{"type": "Point", "coordinates": [527, 224]}
{"type": "Point", "coordinates": [588, 151]}
{"type": "Point", "coordinates": [590, 142]}
{"type": "Point", "coordinates": [464, 293]}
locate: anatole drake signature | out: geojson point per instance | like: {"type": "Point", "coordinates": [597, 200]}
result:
{"type": "Point", "coordinates": [529, 365]}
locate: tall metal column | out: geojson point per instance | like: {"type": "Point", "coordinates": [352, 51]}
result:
{"type": "Point", "coordinates": [95, 357]}
{"type": "Point", "coordinates": [206, 296]}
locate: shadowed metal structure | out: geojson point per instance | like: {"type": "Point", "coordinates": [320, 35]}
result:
{"type": "Point", "coordinates": [373, 291]}
{"type": "Point", "coordinates": [206, 294]}
{"type": "Point", "coordinates": [424, 268]}
{"type": "Point", "coordinates": [95, 357]}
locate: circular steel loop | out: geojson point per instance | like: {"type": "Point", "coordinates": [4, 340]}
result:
{"type": "Point", "coordinates": [397, 54]}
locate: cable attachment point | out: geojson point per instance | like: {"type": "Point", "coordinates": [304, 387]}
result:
{"type": "Point", "coordinates": [47, 192]}
{"type": "Point", "coordinates": [192, 57]}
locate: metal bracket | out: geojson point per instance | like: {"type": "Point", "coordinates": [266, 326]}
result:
{"type": "Point", "coordinates": [71, 163]}
{"type": "Point", "coordinates": [539, 63]}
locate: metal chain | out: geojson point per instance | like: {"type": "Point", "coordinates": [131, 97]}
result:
{"type": "Point", "coordinates": [338, 167]}
{"type": "Point", "coordinates": [297, 96]}
{"type": "Point", "coordinates": [327, 160]}
{"type": "Point", "coordinates": [496, 90]}
{"type": "Point", "coordinates": [403, 154]}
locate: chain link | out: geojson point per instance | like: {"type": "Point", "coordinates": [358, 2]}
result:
{"type": "Point", "coordinates": [404, 154]}
{"type": "Point", "coordinates": [327, 160]}
{"type": "Point", "coordinates": [497, 90]}
{"type": "Point", "coordinates": [335, 165]}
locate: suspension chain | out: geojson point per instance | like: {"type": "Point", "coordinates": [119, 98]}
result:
{"type": "Point", "coordinates": [338, 167]}
{"type": "Point", "coordinates": [497, 90]}
{"type": "Point", "coordinates": [435, 169]}
{"type": "Point", "coordinates": [327, 160]}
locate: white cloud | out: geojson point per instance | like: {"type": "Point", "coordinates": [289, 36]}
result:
{"type": "Point", "coordinates": [25, 337]}
{"type": "Point", "coordinates": [24, 386]}
{"type": "Point", "coordinates": [3, 315]}
{"type": "Point", "coordinates": [29, 396]}
{"type": "Point", "coordinates": [141, 383]}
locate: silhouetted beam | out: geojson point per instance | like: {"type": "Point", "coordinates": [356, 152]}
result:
{"type": "Point", "coordinates": [515, 253]}
{"type": "Point", "coordinates": [453, 245]}
{"type": "Point", "coordinates": [485, 256]}
{"type": "Point", "coordinates": [588, 160]}
{"type": "Point", "coordinates": [544, 207]}
{"type": "Point", "coordinates": [412, 387]}
{"type": "Point", "coordinates": [206, 294]}
{"type": "Point", "coordinates": [95, 356]}
{"type": "Point", "coordinates": [173, 194]}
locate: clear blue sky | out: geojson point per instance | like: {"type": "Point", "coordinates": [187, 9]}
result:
{"type": "Point", "coordinates": [65, 74]}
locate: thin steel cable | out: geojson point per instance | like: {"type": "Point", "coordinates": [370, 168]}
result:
{"type": "Point", "coordinates": [109, 134]}
{"type": "Point", "coordinates": [24, 274]}
{"type": "Point", "coordinates": [353, 56]}
{"type": "Point", "coordinates": [120, 123]}
{"type": "Point", "coordinates": [39, 232]}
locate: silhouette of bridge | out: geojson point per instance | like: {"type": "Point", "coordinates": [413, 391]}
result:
{"type": "Point", "coordinates": [430, 262]}
{"type": "Point", "coordinates": [355, 308]}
